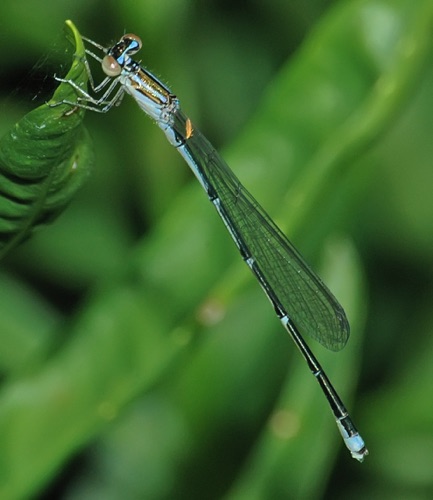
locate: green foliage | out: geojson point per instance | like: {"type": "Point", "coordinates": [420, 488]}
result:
{"type": "Point", "coordinates": [173, 379]}
{"type": "Point", "coordinates": [43, 161]}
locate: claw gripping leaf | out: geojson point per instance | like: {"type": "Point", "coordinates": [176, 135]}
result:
{"type": "Point", "coordinates": [44, 159]}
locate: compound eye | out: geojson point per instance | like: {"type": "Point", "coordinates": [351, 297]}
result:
{"type": "Point", "coordinates": [110, 66]}
{"type": "Point", "coordinates": [133, 43]}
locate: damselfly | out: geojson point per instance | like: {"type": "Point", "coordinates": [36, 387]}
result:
{"type": "Point", "coordinates": [301, 300]}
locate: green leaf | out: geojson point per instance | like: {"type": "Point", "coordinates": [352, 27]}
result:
{"type": "Point", "coordinates": [44, 160]}
{"type": "Point", "coordinates": [25, 339]}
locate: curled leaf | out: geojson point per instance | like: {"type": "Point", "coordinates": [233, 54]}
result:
{"type": "Point", "coordinates": [44, 159]}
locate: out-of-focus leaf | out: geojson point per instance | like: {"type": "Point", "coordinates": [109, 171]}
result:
{"type": "Point", "coordinates": [400, 419]}
{"type": "Point", "coordinates": [25, 339]}
{"type": "Point", "coordinates": [44, 159]}
{"type": "Point", "coordinates": [54, 410]}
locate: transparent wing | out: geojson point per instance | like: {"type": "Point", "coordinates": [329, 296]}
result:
{"type": "Point", "coordinates": [305, 298]}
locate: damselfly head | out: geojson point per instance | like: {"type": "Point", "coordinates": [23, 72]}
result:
{"type": "Point", "coordinates": [133, 43]}
{"type": "Point", "coordinates": [120, 53]}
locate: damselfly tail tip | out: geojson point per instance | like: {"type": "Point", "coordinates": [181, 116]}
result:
{"type": "Point", "coordinates": [353, 441]}
{"type": "Point", "coordinates": [360, 455]}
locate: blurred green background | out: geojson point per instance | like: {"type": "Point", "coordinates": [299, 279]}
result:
{"type": "Point", "coordinates": [139, 359]}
